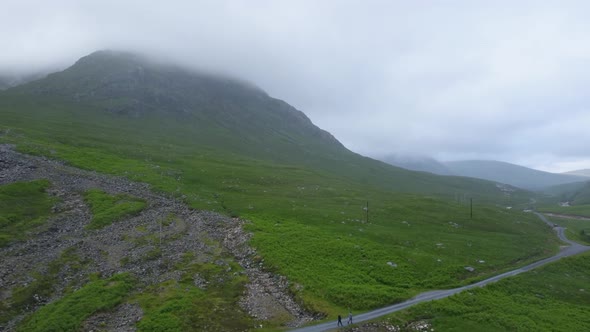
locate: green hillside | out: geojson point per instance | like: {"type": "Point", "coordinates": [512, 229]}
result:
{"type": "Point", "coordinates": [22, 206]}
{"type": "Point", "coordinates": [224, 145]}
{"type": "Point", "coordinates": [578, 194]}
{"type": "Point", "coordinates": [166, 105]}
{"type": "Point", "coordinates": [568, 199]}
{"type": "Point", "coordinates": [417, 163]}
{"type": "Point", "coordinates": [577, 229]}
{"type": "Point", "coordinates": [553, 298]}
{"type": "Point", "coordinates": [580, 172]}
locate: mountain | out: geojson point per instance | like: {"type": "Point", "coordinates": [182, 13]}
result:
{"type": "Point", "coordinates": [577, 193]}
{"type": "Point", "coordinates": [581, 196]}
{"type": "Point", "coordinates": [108, 94]}
{"type": "Point", "coordinates": [417, 163]}
{"type": "Point", "coordinates": [515, 175]}
{"type": "Point", "coordinates": [129, 84]}
{"type": "Point", "coordinates": [208, 189]}
{"type": "Point", "coordinates": [580, 172]}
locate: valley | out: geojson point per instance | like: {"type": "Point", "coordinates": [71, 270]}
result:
{"type": "Point", "coordinates": [572, 249]}
{"type": "Point", "coordinates": [200, 198]}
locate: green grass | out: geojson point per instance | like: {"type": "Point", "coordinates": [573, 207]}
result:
{"type": "Point", "coordinates": [577, 230]}
{"type": "Point", "coordinates": [181, 306]}
{"type": "Point", "coordinates": [69, 312]}
{"type": "Point", "coordinates": [164, 147]}
{"type": "Point", "coordinates": [109, 208]}
{"type": "Point", "coordinates": [576, 210]}
{"type": "Point", "coordinates": [577, 193]}
{"type": "Point", "coordinates": [552, 298]}
{"type": "Point", "coordinates": [23, 207]}
{"type": "Point", "coordinates": [306, 207]}
{"type": "Point", "coordinates": [343, 262]}
{"type": "Point", "coordinates": [43, 285]}
{"type": "Point", "coordinates": [173, 305]}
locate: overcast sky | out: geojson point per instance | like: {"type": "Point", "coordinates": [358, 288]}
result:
{"type": "Point", "coordinates": [503, 80]}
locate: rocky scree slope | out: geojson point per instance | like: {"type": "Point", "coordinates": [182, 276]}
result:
{"type": "Point", "coordinates": [103, 251]}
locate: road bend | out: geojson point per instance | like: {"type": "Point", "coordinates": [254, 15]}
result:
{"type": "Point", "coordinates": [573, 249]}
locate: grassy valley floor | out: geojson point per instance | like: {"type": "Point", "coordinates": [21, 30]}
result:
{"type": "Point", "coordinates": [310, 225]}
{"type": "Point", "coordinates": [308, 220]}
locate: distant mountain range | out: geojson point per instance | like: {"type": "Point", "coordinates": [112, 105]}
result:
{"type": "Point", "coordinates": [417, 163]}
{"type": "Point", "coordinates": [580, 172]}
{"type": "Point", "coordinates": [515, 175]}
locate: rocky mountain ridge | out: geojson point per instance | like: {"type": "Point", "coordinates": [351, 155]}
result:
{"type": "Point", "coordinates": [134, 85]}
{"type": "Point", "coordinates": [492, 170]}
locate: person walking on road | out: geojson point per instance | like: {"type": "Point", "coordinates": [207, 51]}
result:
{"type": "Point", "coordinates": [349, 318]}
{"type": "Point", "coordinates": [340, 321]}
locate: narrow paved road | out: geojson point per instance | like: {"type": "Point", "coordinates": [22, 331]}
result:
{"type": "Point", "coordinates": [573, 249]}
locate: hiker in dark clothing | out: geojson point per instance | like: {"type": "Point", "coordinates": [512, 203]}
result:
{"type": "Point", "coordinates": [340, 321]}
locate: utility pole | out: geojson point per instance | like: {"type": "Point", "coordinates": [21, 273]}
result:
{"type": "Point", "coordinates": [471, 207]}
